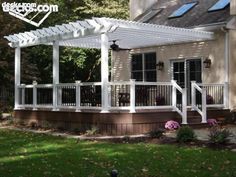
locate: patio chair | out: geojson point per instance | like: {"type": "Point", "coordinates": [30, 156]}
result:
{"type": "Point", "coordinates": [124, 99]}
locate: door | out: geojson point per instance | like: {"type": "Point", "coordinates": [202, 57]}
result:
{"type": "Point", "coordinates": [185, 71]}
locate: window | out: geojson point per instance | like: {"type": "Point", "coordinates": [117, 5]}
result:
{"type": "Point", "coordinates": [183, 9]}
{"type": "Point", "coordinates": [221, 4]}
{"type": "Point", "coordinates": [143, 67]}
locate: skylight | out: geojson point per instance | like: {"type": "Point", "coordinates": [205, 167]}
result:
{"type": "Point", "coordinates": [183, 9]}
{"type": "Point", "coordinates": [150, 14]}
{"type": "Point", "coordinates": [221, 4]}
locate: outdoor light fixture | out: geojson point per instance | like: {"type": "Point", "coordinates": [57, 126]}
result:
{"type": "Point", "coordinates": [207, 62]}
{"type": "Point", "coordinates": [160, 65]}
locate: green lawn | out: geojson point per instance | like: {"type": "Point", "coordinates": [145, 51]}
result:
{"type": "Point", "coordinates": [37, 155]}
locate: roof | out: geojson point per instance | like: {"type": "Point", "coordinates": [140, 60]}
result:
{"type": "Point", "coordinates": [87, 34]}
{"type": "Point", "coordinates": [197, 16]}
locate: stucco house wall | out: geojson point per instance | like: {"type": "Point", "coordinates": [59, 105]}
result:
{"type": "Point", "coordinates": [215, 49]}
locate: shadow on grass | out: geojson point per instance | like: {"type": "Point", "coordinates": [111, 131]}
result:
{"type": "Point", "coordinates": [26, 154]}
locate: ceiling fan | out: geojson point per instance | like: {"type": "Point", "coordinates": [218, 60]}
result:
{"type": "Point", "coordinates": [115, 47]}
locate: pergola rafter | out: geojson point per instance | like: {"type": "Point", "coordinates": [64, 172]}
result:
{"type": "Point", "coordinates": [75, 34]}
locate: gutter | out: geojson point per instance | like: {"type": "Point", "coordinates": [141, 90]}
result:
{"type": "Point", "coordinates": [210, 27]}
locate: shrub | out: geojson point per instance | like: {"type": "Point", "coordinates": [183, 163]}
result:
{"type": "Point", "coordinates": [92, 131]}
{"type": "Point", "coordinates": [219, 135]}
{"type": "Point", "coordinates": [212, 122]}
{"type": "Point", "coordinates": [185, 134]}
{"type": "Point", "coordinates": [126, 138]}
{"type": "Point", "coordinates": [156, 133]}
{"type": "Point", "coordinates": [33, 124]}
{"type": "Point", "coordinates": [171, 125]}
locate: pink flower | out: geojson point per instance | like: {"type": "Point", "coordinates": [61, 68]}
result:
{"type": "Point", "coordinates": [171, 125]}
{"type": "Point", "coordinates": [212, 122]}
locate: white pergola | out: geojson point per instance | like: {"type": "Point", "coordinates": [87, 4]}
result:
{"type": "Point", "coordinates": [97, 33]}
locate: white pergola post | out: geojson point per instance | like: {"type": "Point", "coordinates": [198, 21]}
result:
{"type": "Point", "coordinates": [17, 76]}
{"type": "Point", "coordinates": [104, 71]}
{"type": "Point", "coordinates": [55, 71]}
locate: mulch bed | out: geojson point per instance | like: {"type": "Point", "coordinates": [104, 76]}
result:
{"type": "Point", "coordinates": [128, 139]}
{"type": "Point", "coordinates": [172, 141]}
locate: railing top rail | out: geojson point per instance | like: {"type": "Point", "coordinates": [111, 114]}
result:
{"type": "Point", "coordinates": [25, 86]}
{"type": "Point", "coordinates": [120, 83]}
{"type": "Point", "coordinates": [177, 86]}
{"type": "Point", "coordinates": [196, 86]}
{"type": "Point", "coordinates": [209, 84]}
{"type": "Point", "coordinates": [153, 83]}
{"type": "Point", "coordinates": [66, 84]}
{"type": "Point", "coordinates": [44, 85]}
{"type": "Point", "coordinates": [81, 83]}
{"type": "Point", "coordinates": [90, 83]}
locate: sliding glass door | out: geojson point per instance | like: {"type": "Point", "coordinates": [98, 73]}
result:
{"type": "Point", "coordinates": [185, 71]}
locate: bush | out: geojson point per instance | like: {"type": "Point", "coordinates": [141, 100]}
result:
{"type": "Point", "coordinates": [172, 125]}
{"type": "Point", "coordinates": [219, 136]}
{"type": "Point", "coordinates": [92, 131]}
{"type": "Point", "coordinates": [156, 133]}
{"type": "Point", "coordinates": [33, 124]}
{"type": "Point", "coordinates": [185, 134]}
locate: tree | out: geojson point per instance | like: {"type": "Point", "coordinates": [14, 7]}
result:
{"type": "Point", "coordinates": [75, 63]}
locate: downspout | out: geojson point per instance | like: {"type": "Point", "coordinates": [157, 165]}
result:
{"type": "Point", "coordinates": [226, 56]}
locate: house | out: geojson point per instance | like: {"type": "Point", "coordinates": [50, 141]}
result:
{"type": "Point", "coordinates": [175, 62]}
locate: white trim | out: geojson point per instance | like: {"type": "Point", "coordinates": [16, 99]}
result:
{"type": "Point", "coordinates": [17, 76]}
{"type": "Point", "coordinates": [56, 93]}
{"type": "Point", "coordinates": [104, 71]}
{"type": "Point", "coordinates": [132, 95]}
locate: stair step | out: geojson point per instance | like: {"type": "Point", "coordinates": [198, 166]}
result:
{"type": "Point", "coordinates": [198, 125]}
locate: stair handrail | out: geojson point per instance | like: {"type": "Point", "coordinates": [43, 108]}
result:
{"type": "Point", "coordinates": [183, 112]}
{"type": "Point", "coordinates": [203, 112]}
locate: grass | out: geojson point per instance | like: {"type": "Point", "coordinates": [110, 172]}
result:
{"type": "Point", "coordinates": [25, 154]}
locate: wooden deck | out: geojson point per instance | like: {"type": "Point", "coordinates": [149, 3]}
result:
{"type": "Point", "coordinates": [113, 123]}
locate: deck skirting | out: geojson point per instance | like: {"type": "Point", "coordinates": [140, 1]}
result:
{"type": "Point", "coordinates": [113, 123]}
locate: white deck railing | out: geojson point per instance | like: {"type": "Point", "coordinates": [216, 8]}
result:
{"type": "Point", "coordinates": [124, 95]}
{"type": "Point", "coordinates": [180, 105]}
{"type": "Point", "coordinates": [208, 95]}
{"type": "Point", "coordinates": [201, 106]}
